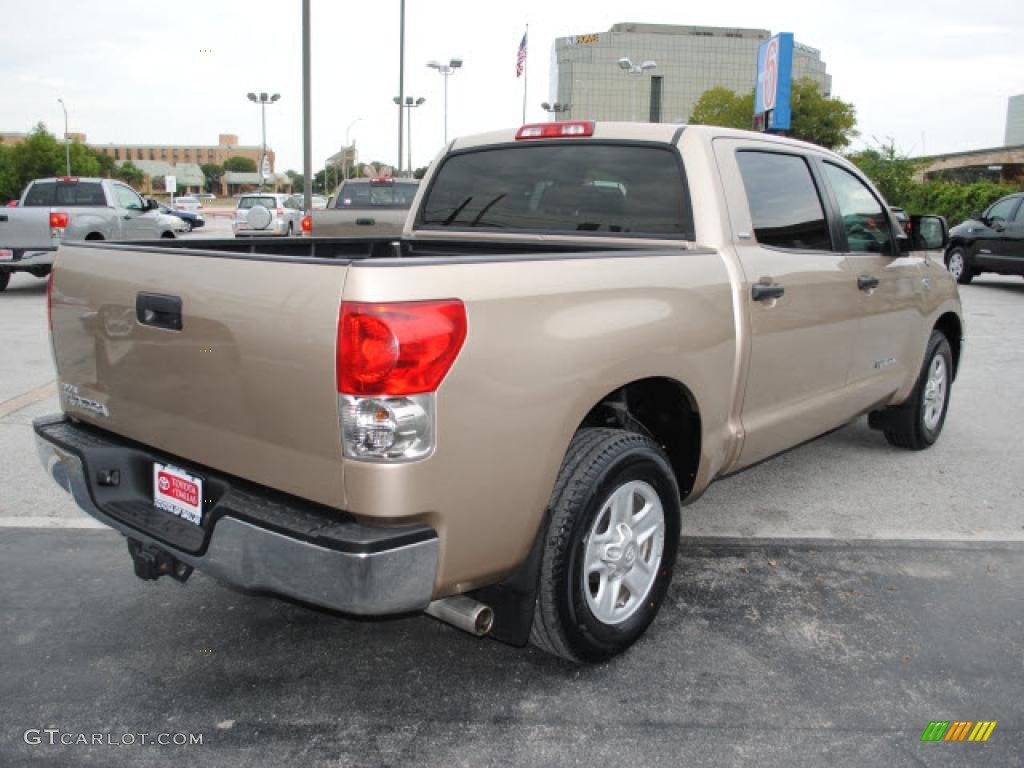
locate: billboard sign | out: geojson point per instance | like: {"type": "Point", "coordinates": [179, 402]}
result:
{"type": "Point", "coordinates": [774, 78]}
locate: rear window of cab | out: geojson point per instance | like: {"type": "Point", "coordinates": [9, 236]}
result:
{"type": "Point", "coordinates": [563, 186]}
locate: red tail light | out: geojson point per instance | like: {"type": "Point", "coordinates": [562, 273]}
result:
{"type": "Point", "coordinates": [307, 223]}
{"type": "Point", "coordinates": [401, 348]}
{"type": "Point", "coordinates": [58, 221]}
{"type": "Point", "coordinates": [578, 128]}
{"type": "Point", "coordinates": [12, 204]}
{"type": "Point", "coordinates": [49, 297]}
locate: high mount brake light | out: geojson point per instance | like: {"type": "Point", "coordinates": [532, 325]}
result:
{"type": "Point", "coordinates": [68, 179]}
{"type": "Point", "coordinates": [382, 180]}
{"type": "Point", "coordinates": [398, 348]}
{"type": "Point", "coordinates": [574, 129]}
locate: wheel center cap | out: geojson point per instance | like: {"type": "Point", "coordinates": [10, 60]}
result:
{"type": "Point", "coordinates": [621, 554]}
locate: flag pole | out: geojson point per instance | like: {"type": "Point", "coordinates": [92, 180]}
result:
{"type": "Point", "coordinates": [526, 70]}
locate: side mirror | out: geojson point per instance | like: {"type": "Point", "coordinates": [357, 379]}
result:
{"type": "Point", "coordinates": [928, 233]}
{"type": "Point", "coordinates": [152, 205]}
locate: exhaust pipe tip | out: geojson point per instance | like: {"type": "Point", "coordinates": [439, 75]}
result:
{"type": "Point", "coordinates": [463, 612]}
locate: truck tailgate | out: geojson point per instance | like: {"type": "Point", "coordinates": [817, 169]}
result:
{"type": "Point", "coordinates": [246, 386]}
{"type": "Point", "coordinates": [25, 228]}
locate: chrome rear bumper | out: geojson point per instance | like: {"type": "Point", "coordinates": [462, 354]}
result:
{"type": "Point", "coordinates": [355, 569]}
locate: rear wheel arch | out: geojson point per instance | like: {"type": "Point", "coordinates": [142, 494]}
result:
{"type": "Point", "coordinates": [665, 410]}
{"type": "Point", "coordinates": [95, 236]}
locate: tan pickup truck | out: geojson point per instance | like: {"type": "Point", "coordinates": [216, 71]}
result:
{"type": "Point", "coordinates": [497, 418]}
{"type": "Point", "coordinates": [365, 208]}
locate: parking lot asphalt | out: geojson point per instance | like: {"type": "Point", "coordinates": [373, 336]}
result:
{"type": "Point", "coordinates": [827, 606]}
{"type": "Point", "coordinates": [769, 654]}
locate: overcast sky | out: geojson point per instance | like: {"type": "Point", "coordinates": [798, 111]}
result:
{"type": "Point", "coordinates": [931, 75]}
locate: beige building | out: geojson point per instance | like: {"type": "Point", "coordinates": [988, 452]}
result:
{"type": "Point", "coordinates": [585, 74]}
{"type": "Point", "coordinates": [227, 146]}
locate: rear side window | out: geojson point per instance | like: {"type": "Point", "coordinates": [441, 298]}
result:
{"type": "Point", "coordinates": [252, 202]}
{"type": "Point", "coordinates": [785, 207]}
{"type": "Point", "coordinates": [375, 195]}
{"type": "Point", "coordinates": [80, 193]}
{"type": "Point", "coordinates": [565, 187]}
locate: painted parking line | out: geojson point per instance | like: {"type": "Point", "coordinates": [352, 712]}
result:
{"type": "Point", "coordinates": [65, 523]}
{"type": "Point", "coordinates": [7, 407]}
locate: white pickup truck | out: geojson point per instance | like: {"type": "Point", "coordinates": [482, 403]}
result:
{"type": "Point", "coordinates": [72, 208]}
{"type": "Point", "coordinates": [496, 417]}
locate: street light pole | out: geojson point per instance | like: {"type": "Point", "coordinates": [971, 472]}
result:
{"type": "Point", "coordinates": [629, 67]}
{"type": "Point", "coordinates": [348, 144]}
{"type": "Point", "coordinates": [263, 99]}
{"type": "Point", "coordinates": [67, 148]}
{"type": "Point", "coordinates": [555, 109]}
{"type": "Point", "coordinates": [401, 80]}
{"type": "Point", "coordinates": [410, 104]}
{"type": "Point", "coordinates": [447, 70]}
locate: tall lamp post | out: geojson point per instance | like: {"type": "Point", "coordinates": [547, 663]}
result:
{"type": "Point", "coordinates": [263, 99]}
{"type": "Point", "coordinates": [447, 70]}
{"type": "Point", "coordinates": [555, 109]}
{"type": "Point", "coordinates": [348, 145]}
{"type": "Point", "coordinates": [634, 69]}
{"type": "Point", "coordinates": [409, 105]}
{"type": "Point", "coordinates": [67, 148]}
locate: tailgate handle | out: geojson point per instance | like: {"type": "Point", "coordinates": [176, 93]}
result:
{"type": "Point", "coordinates": [366, 222]}
{"type": "Point", "coordinates": [158, 311]}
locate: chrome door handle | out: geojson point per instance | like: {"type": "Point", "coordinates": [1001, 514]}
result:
{"type": "Point", "coordinates": [867, 282]}
{"type": "Point", "coordinates": [766, 291]}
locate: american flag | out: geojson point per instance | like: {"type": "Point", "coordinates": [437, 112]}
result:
{"type": "Point", "coordinates": [521, 57]}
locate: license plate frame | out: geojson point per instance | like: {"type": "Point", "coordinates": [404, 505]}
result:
{"type": "Point", "coordinates": [178, 492]}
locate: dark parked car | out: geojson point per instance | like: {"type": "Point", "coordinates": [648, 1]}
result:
{"type": "Point", "coordinates": [992, 241]}
{"type": "Point", "coordinates": [192, 220]}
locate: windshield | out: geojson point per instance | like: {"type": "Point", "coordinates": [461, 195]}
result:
{"type": "Point", "coordinates": [369, 194]}
{"type": "Point", "coordinates": [252, 202]}
{"type": "Point", "coordinates": [584, 187]}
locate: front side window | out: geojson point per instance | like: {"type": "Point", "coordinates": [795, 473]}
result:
{"type": "Point", "coordinates": [785, 208]}
{"type": "Point", "coordinates": [126, 198]}
{"type": "Point", "coordinates": [1001, 211]}
{"type": "Point", "coordinates": [563, 187]}
{"type": "Point", "coordinates": [866, 223]}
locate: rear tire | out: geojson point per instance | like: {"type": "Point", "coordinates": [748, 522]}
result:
{"type": "Point", "coordinates": [291, 230]}
{"type": "Point", "coordinates": [5, 278]}
{"type": "Point", "coordinates": [917, 423]}
{"type": "Point", "coordinates": [609, 547]}
{"type": "Point", "coordinates": [959, 265]}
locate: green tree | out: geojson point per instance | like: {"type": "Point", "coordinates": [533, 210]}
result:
{"type": "Point", "coordinates": [890, 171]}
{"type": "Point", "coordinates": [131, 174]}
{"type": "Point", "coordinates": [720, 106]}
{"type": "Point", "coordinates": [824, 121]}
{"type": "Point", "coordinates": [213, 173]}
{"type": "Point", "coordinates": [240, 165]}
{"type": "Point", "coordinates": [419, 173]}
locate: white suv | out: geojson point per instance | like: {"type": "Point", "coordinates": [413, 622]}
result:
{"type": "Point", "coordinates": [266, 214]}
